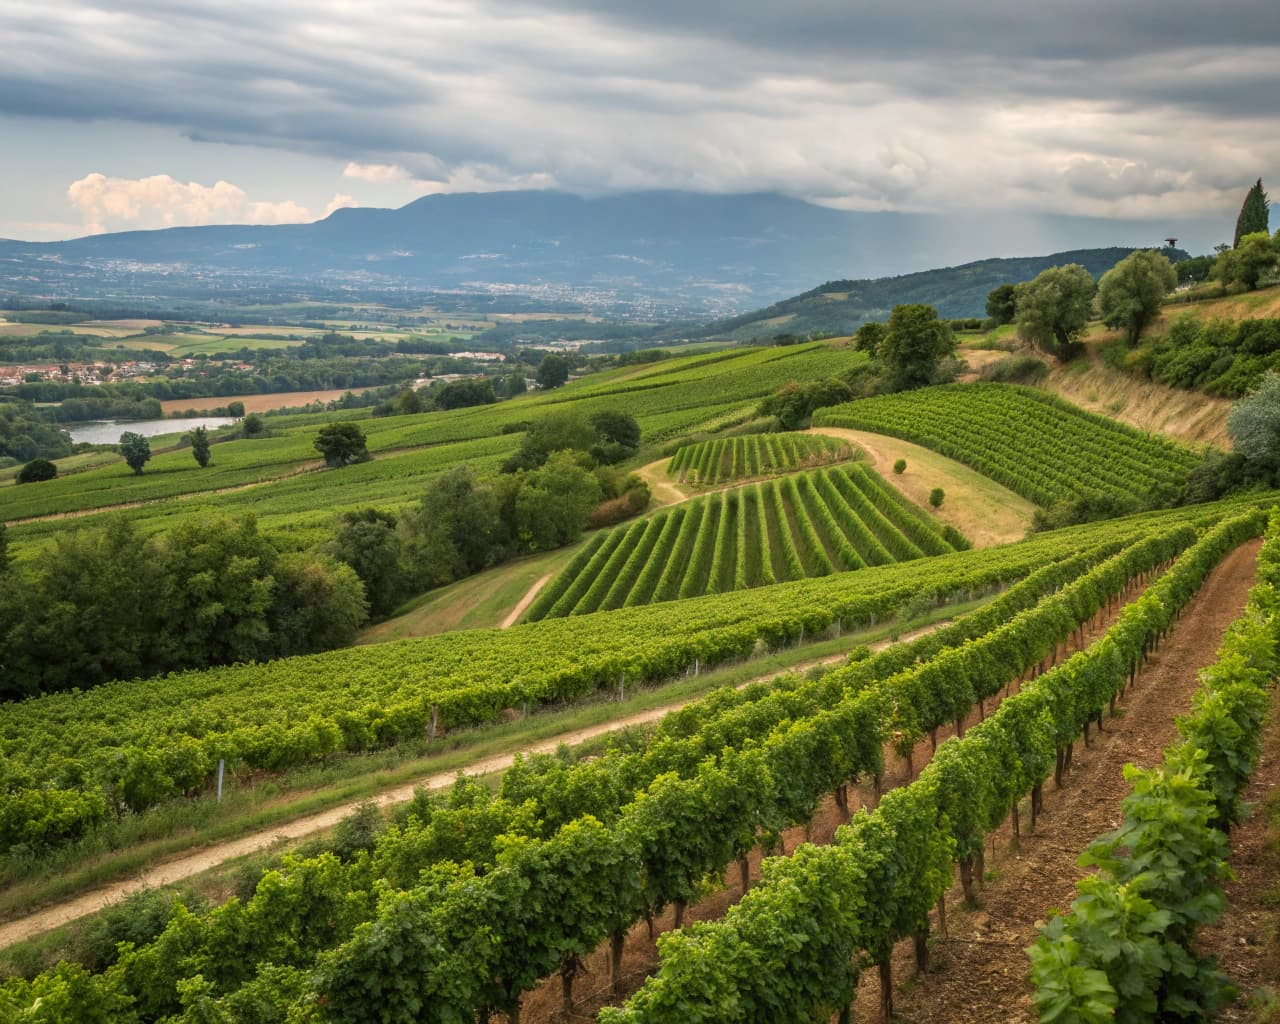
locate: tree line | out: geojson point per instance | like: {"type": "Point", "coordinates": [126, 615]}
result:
{"type": "Point", "coordinates": [111, 603]}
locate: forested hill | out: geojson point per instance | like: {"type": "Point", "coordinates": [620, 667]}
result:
{"type": "Point", "coordinates": [840, 307]}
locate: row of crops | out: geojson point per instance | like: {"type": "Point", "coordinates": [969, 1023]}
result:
{"type": "Point", "coordinates": [471, 900]}
{"type": "Point", "coordinates": [796, 527]}
{"type": "Point", "coordinates": [1031, 442]}
{"type": "Point", "coordinates": [738, 458]}
{"type": "Point", "coordinates": [70, 761]}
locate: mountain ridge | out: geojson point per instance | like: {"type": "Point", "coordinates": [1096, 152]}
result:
{"type": "Point", "coordinates": [655, 253]}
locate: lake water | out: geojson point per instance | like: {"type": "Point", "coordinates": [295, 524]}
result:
{"type": "Point", "coordinates": [109, 431]}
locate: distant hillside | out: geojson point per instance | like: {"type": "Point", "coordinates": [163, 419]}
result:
{"type": "Point", "coordinates": [841, 307]}
{"type": "Point", "coordinates": [645, 255]}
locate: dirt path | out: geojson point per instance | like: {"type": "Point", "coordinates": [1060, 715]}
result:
{"type": "Point", "coordinates": [977, 506]}
{"type": "Point", "coordinates": [980, 972]}
{"type": "Point", "coordinates": [525, 601]}
{"type": "Point", "coordinates": [202, 860]}
{"type": "Point", "coordinates": [661, 489]}
{"type": "Point", "coordinates": [1246, 940]}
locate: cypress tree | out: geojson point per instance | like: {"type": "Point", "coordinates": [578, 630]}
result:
{"type": "Point", "coordinates": [1253, 214]}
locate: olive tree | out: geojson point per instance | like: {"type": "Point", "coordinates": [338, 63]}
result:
{"type": "Point", "coordinates": [1254, 424]}
{"type": "Point", "coordinates": [1052, 309]}
{"type": "Point", "coordinates": [1130, 293]}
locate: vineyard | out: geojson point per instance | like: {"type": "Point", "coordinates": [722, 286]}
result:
{"type": "Point", "coordinates": [1033, 443]}
{"type": "Point", "coordinates": [799, 526]}
{"type": "Point", "coordinates": [755, 455]}
{"type": "Point", "coordinates": [470, 900]}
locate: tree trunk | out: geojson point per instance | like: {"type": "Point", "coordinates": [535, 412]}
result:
{"type": "Point", "coordinates": [921, 942]}
{"type": "Point", "coordinates": [568, 971]}
{"type": "Point", "coordinates": [886, 989]}
{"type": "Point", "coordinates": [648, 920]}
{"type": "Point", "coordinates": [1037, 803]}
{"type": "Point", "coordinates": [966, 880]}
{"type": "Point", "coordinates": [744, 873]}
{"type": "Point", "coordinates": [1058, 767]}
{"type": "Point", "coordinates": [942, 914]}
{"type": "Point", "coordinates": [617, 943]}
{"type": "Point", "coordinates": [678, 917]}
{"type": "Point", "coordinates": [1013, 817]}
{"type": "Point", "coordinates": [846, 1014]}
{"type": "Point", "coordinates": [960, 727]}
{"type": "Point", "coordinates": [980, 867]}
{"type": "Point", "coordinates": [933, 739]}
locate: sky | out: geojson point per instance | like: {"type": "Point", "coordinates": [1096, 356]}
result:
{"type": "Point", "coordinates": [152, 113]}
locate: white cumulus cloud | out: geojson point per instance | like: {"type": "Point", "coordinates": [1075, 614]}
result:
{"type": "Point", "coordinates": [377, 174]}
{"type": "Point", "coordinates": [160, 201]}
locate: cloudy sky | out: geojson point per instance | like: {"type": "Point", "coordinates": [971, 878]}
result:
{"type": "Point", "coordinates": [147, 113]}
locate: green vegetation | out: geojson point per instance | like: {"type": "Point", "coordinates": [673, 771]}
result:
{"type": "Point", "coordinates": [914, 345]}
{"type": "Point", "coordinates": [1253, 214]}
{"type": "Point", "coordinates": [876, 884]}
{"type": "Point", "coordinates": [37, 471]}
{"type": "Point", "coordinates": [200, 446]}
{"type": "Point", "coordinates": [568, 854]}
{"type": "Point", "coordinates": [838, 308]}
{"type": "Point", "coordinates": [811, 524]}
{"type": "Point", "coordinates": [136, 450]}
{"type": "Point", "coordinates": [1130, 293]}
{"type": "Point", "coordinates": [1051, 311]}
{"type": "Point", "coordinates": [110, 604]}
{"type": "Point", "coordinates": [26, 435]}
{"type": "Point", "coordinates": [1127, 949]}
{"type": "Point", "coordinates": [1036, 445]}
{"type": "Point", "coordinates": [754, 455]}
{"type": "Point", "coordinates": [1217, 356]}
{"type": "Point", "coordinates": [73, 758]}
{"type": "Point", "coordinates": [341, 444]}
{"type": "Point", "coordinates": [1245, 265]}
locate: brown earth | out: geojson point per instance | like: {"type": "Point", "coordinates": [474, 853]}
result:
{"type": "Point", "coordinates": [257, 403]}
{"type": "Point", "coordinates": [1246, 940]}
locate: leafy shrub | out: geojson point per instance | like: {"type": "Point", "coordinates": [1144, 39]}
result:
{"type": "Point", "coordinates": [1020, 369]}
{"type": "Point", "coordinates": [936, 497]}
{"type": "Point", "coordinates": [900, 466]}
{"type": "Point", "coordinates": [37, 470]}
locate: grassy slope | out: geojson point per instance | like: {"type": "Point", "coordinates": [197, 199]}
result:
{"type": "Point", "coordinates": [1186, 416]}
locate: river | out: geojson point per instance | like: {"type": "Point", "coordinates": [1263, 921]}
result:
{"type": "Point", "coordinates": [109, 431]}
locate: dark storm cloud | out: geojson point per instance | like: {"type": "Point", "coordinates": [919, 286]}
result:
{"type": "Point", "coordinates": [1090, 107]}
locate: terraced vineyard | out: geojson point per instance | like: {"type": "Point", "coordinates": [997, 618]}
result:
{"type": "Point", "coordinates": [800, 526]}
{"type": "Point", "coordinates": [1033, 443]}
{"type": "Point", "coordinates": [755, 455]}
